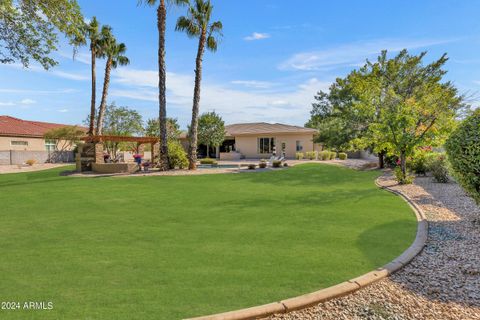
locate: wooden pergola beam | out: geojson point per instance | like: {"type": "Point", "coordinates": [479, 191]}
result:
{"type": "Point", "coordinates": [138, 140]}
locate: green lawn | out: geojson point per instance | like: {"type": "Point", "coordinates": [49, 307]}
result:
{"type": "Point", "coordinates": [173, 247]}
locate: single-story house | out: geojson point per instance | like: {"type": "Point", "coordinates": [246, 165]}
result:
{"type": "Point", "coordinates": [262, 140]}
{"type": "Point", "coordinates": [22, 140]}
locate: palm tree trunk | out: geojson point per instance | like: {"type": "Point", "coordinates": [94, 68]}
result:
{"type": "Point", "coordinates": [103, 103]}
{"type": "Point", "coordinates": [162, 75]}
{"type": "Point", "coordinates": [192, 149]}
{"type": "Point", "coordinates": [94, 89]}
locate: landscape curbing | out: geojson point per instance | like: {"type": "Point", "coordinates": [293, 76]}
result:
{"type": "Point", "coordinates": [343, 288]}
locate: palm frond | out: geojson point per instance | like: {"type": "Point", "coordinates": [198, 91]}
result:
{"type": "Point", "coordinates": [212, 43]}
{"type": "Point", "coordinates": [188, 26]}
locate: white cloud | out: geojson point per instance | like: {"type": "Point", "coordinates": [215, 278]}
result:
{"type": "Point", "coordinates": [257, 36]}
{"type": "Point", "coordinates": [28, 101]}
{"type": "Point", "coordinates": [254, 84]}
{"type": "Point", "coordinates": [235, 104]}
{"type": "Point", "coordinates": [63, 110]}
{"type": "Point", "coordinates": [352, 54]}
{"type": "Point", "coordinates": [53, 71]}
{"type": "Point", "coordinates": [28, 91]}
{"type": "Point", "coordinates": [476, 82]}
{"type": "Point", "coordinates": [83, 57]}
{"type": "Point", "coordinates": [7, 104]}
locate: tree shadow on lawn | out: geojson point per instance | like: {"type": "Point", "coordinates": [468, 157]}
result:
{"type": "Point", "coordinates": [441, 272]}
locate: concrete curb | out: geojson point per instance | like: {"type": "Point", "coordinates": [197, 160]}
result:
{"type": "Point", "coordinates": [343, 288]}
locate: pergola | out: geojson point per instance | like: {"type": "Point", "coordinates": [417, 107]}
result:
{"type": "Point", "coordinates": [92, 149]}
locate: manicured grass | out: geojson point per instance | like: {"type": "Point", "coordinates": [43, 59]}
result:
{"type": "Point", "coordinates": [173, 247]}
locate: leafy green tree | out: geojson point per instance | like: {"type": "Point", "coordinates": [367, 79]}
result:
{"type": "Point", "coordinates": [463, 149]}
{"type": "Point", "coordinates": [65, 138]}
{"type": "Point", "coordinates": [162, 75]}
{"type": "Point", "coordinates": [152, 128]}
{"type": "Point", "coordinates": [28, 29]}
{"type": "Point", "coordinates": [115, 54]}
{"type": "Point", "coordinates": [197, 25]}
{"type": "Point", "coordinates": [408, 103]}
{"type": "Point", "coordinates": [120, 121]}
{"type": "Point", "coordinates": [211, 130]}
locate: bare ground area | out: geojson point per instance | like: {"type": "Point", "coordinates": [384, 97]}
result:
{"type": "Point", "coordinates": [442, 282]}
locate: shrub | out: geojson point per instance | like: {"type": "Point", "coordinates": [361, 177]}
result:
{"type": "Point", "coordinates": [438, 166]}
{"type": "Point", "coordinates": [285, 164]}
{"type": "Point", "coordinates": [299, 155]}
{"type": "Point", "coordinates": [333, 155]}
{"type": "Point", "coordinates": [342, 156]}
{"type": "Point", "coordinates": [419, 163]}
{"type": "Point", "coordinates": [324, 155]}
{"type": "Point", "coordinates": [463, 149]}
{"type": "Point", "coordinates": [31, 162]}
{"type": "Point", "coordinates": [399, 176]}
{"type": "Point", "coordinates": [208, 161]}
{"type": "Point", "coordinates": [252, 166]}
{"type": "Point", "coordinates": [277, 164]}
{"type": "Point", "coordinates": [311, 155]}
{"type": "Point", "coordinates": [177, 155]}
{"type": "Point", "coordinates": [262, 164]}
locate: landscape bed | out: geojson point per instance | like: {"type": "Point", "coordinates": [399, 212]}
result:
{"type": "Point", "coordinates": [183, 246]}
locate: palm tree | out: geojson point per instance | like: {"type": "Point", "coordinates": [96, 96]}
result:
{"type": "Point", "coordinates": [197, 24]}
{"type": "Point", "coordinates": [115, 54]}
{"type": "Point", "coordinates": [162, 76]}
{"type": "Point", "coordinates": [91, 32]}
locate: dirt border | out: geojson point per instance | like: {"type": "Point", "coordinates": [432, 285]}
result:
{"type": "Point", "coordinates": [343, 288]}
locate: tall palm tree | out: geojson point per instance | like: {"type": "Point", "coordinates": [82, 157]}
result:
{"type": "Point", "coordinates": [162, 76]}
{"type": "Point", "coordinates": [197, 25]}
{"type": "Point", "coordinates": [115, 55]}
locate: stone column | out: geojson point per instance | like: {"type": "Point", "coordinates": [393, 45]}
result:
{"type": "Point", "coordinates": [155, 152]}
{"type": "Point", "coordinates": [99, 153]}
{"type": "Point", "coordinates": [140, 149]}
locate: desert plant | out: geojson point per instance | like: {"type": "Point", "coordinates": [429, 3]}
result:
{"type": "Point", "coordinates": [252, 166]}
{"type": "Point", "coordinates": [208, 161]}
{"type": "Point", "coordinates": [439, 168]}
{"type": "Point", "coordinates": [262, 164]}
{"type": "Point", "coordinates": [342, 156]}
{"type": "Point", "coordinates": [311, 155]}
{"type": "Point", "coordinates": [177, 155]}
{"type": "Point", "coordinates": [332, 155]}
{"type": "Point", "coordinates": [31, 162]}
{"type": "Point", "coordinates": [299, 155]}
{"type": "Point", "coordinates": [401, 178]}
{"type": "Point", "coordinates": [463, 149]}
{"type": "Point", "coordinates": [324, 155]}
{"type": "Point", "coordinates": [277, 164]}
{"type": "Point", "coordinates": [285, 164]}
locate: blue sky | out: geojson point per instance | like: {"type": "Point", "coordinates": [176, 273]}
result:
{"type": "Point", "coordinates": [274, 56]}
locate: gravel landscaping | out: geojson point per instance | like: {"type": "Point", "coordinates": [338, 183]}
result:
{"type": "Point", "coordinates": [442, 282]}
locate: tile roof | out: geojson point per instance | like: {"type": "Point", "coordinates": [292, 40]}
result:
{"type": "Point", "coordinates": [264, 128]}
{"type": "Point", "coordinates": [10, 126]}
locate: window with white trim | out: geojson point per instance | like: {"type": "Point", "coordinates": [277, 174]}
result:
{"type": "Point", "coordinates": [299, 146]}
{"type": "Point", "coordinates": [50, 145]}
{"type": "Point", "coordinates": [265, 145]}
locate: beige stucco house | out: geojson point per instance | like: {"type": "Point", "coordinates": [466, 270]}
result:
{"type": "Point", "coordinates": [262, 140]}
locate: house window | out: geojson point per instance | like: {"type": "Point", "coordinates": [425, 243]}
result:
{"type": "Point", "coordinates": [50, 145]}
{"type": "Point", "coordinates": [18, 143]}
{"type": "Point", "coordinates": [265, 145]}
{"type": "Point", "coordinates": [299, 146]}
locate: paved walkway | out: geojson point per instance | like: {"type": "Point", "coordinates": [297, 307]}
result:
{"type": "Point", "coordinates": [35, 167]}
{"type": "Point", "coordinates": [442, 282]}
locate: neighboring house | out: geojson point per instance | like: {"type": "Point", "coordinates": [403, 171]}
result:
{"type": "Point", "coordinates": [22, 140]}
{"type": "Point", "coordinates": [262, 140]}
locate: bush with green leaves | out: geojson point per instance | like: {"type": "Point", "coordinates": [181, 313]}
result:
{"type": "Point", "coordinates": [419, 163]}
{"type": "Point", "coordinates": [324, 155]}
{"type": "Point", "coordinates": [208, 161]}
{"type": "Point", "coordinates": [276, 163]}
{"type": "Point", "coordinates": [299, 155]}
{"type": "Point", "coordinates": [463, 149]}
{"type": "Point", "coordinates": [251, 166]}
{"type": "Point", "coordinates": [262, 164]}
{"type": "Point", "coordinates": [408, 179]}
{"type": "Point", "coordinates": [311, 155]}
{"type": "Point", "coordinates": [177, 155]}
{"type": "Point", "coordinates": [438, 166]}
{"type": "Point", "coordinates": [342, 156]}
{"type": "Point", "coordinates": [333, 155]}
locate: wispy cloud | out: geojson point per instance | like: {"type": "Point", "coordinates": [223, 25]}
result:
{"type": "Point", "coordinates": [7, 104]}
{"type": "Point", "coordinates": [28, 91]}
{"type": "Point", "coordinates": [82, 57]}
{"type": "Point", "coordinates": [289, 104]}
{"type": "Point", "coordinates": [477, 82]}
{"type": "Point", "coordinates": [254, 84]}
{"type": "Point", "coordinates": [28, 101]}
{"type": "Point", "coordinates": [257, 36]}
{"type": "Point", "coordinates": [353, 54]}
{"type": "Point", "coordinates": [62, 110]}
{"type": "Point", "coordinates": [54, 72]}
